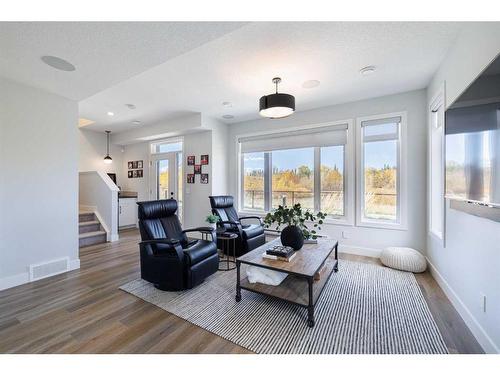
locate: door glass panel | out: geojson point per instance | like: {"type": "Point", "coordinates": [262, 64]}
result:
{"type": "Point", "coordinates": [162, 179]}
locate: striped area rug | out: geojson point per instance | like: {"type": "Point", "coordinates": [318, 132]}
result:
{"type": "Point", "coordinates": [364, 308]}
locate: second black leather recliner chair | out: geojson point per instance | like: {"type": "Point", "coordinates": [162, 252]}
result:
{"type": "Point", "coordinates": [250, 236]}
{"type": "Point", "coordinates": [169, 259]}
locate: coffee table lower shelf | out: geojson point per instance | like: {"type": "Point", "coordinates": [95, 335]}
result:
{"type": "Point", "coordinates": [299, 290]}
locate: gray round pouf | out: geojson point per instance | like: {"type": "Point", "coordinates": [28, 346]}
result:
{"type": "Point", "coordinates": [404, 259]}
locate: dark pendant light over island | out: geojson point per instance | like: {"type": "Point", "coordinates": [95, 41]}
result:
{"type": "Point", "coordinates": [107, 158]}
{"type": "Point", "coordinates": [276, 105]}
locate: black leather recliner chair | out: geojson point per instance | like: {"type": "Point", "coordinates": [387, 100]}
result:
{"type": "Point", "coordinates": [250, 236]}
{"type": "Point", "coordinates": [169, 259]}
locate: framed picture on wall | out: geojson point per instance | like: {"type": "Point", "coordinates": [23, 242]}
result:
{"type": "Point", "coordinates": [197, 169]}
{"type": "Point", "coordinates": [140, 164]}
{"type": "Point", "coordinates": [204, 178]}
{"type": "Point", "coordinates": [190, 160]}
{"type": "Point", "coordinates": [139, 173]}
{"type": "Point", "coordinates": [134, 164]}
{"type": "Point", "coordinates": [190, 178]}
{"type": "Point", "coordinates": [130, 165]}
{"type": "Point", "coordinates": [134, 174]}
{"type": "Point", "coordinates": [130, 175]}
{"type": "Point", "coordinates": [204, 159]}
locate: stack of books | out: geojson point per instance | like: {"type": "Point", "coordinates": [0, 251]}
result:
{"type": "Point", "coordinates": [279, 252]}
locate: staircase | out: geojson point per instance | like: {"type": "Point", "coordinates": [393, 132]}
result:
{"type": "Point", "coordinates": [90, 229]}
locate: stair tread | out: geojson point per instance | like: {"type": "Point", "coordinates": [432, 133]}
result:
{"type": "Point", "coordinates": [92, 234]}
{"type": "Point", "coordinates": [83, 223]}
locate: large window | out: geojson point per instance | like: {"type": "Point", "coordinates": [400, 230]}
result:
{"type": "Point", "coordinates": [293, 177]}
{"type": "Point", "coordinates": [306, 167]}
{"type": "Point", "coordinates": [253, 181]}
{"type": "Point", "coordinates": [379, 171]}
{"type": "Point", "coordinates": [332, 180]}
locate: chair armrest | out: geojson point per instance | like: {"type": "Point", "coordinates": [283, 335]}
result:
{"type": "Point", "coordinates": [166, 241]}
{"type": "Point", "coordinates": [172, 243]}
{"type": "Point", "coordinates": [253, 217]}
{"type": "Point", "coordinates": [233, 223]}
{"type": "Point", "coordinates": [209, 230]}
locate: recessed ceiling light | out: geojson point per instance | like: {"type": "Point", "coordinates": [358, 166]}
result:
{"type": "Point", "coordinates": [136, 122]}
{"type": "Point", "coordinates": [227, 104]}
{"type": "Point", "coordinates": [228, 117]}
{"type": "Point", "coordinates": [111, 114]}
{"type": "Point", "coordinates": [311, 84]}
{"type": "Point", "coordinates": [130, 106]}
{"type": "Point", "coordinates": [367, 70]}
{"type": "Point", "coordinates": [58, 63]}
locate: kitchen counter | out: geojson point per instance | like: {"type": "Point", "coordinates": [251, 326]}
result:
{"type": "Point", "coordinates": [127, 194]}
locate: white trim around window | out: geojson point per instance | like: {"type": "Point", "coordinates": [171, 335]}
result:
{"type": "Point", "coordinates": [311, 130]}
{"type": "Point", "coordinates": [436, 167]}
{"type": "Point", "coordinates": [400, 223]}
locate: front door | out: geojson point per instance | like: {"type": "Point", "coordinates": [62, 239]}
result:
{"type": "Point", "coordinates": [166, 178]}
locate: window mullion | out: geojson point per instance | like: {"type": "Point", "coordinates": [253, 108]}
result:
{"type": "Point", "coordinates": [317, 179]}
{"type": "Point", "coordinates": [268, 163]}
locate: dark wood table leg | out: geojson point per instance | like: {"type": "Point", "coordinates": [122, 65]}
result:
{"type": "Point", "coordinates": [238, 289]}
{"type": "Point", "coordinates": [336, 267]}
{"type": "Point", "coordinates": [310, 308]}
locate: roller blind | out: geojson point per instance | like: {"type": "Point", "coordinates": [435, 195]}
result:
{"type": "Point", "coordinates": [381, 129]}
{"type": "Point", "coordinates": [318, 137]}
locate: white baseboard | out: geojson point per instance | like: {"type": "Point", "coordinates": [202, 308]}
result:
{"type": "Point", "coordinates": [477, 330]}
{"type": "Point", "coordinates": [24, 278]}
{"type": "Point", "coordinates": [14, 280]}
{"type": "Point", "coordinates": [359, 250]}
{"type": "Point", "coordinates": [74, 264]}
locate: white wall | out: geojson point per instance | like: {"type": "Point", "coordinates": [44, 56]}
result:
{"type": "Point", "coordinates": [196, 203]}
{"type": "Point", "coordinates": [368, 240]}
{"type": "Point", "coordinates": [221, 156]}
{"type": "Point", "coordinates": [92, 149]}
{"type": "Point", "coordinates": [137, 151]}
{"type": "Point", "coordinates": [469, 264]}
{"type": "Point", "coordinates": [39, 189]}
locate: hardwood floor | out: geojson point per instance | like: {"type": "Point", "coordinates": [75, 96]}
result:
{"type": "Point", "coordinates": [83, 311]}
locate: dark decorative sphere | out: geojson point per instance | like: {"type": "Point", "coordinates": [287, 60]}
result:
{"type": "Point", "coordinates": [292, 236]}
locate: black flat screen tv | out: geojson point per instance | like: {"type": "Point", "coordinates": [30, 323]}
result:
{"type": "Point", "coordinates": [472, 129]}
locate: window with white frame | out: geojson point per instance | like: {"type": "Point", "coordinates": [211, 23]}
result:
{"type": "Point", "coordinates": [436, 167]}
{"type": "Point", "coordinates": [380, 171]}
{"type": "Point", "coordinates": [169, 145]}
{"type": "Point", "coordinates": [304, 166]}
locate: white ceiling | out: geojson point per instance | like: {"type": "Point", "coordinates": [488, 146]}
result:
{"type": "Point", "coordinates": [170, 69]}
{"type": "Point", "coordinates": [104, 53]}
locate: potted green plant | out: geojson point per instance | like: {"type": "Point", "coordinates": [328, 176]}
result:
{"type": "Point", "coordinates": [212, 220]}
{"type": "Point", "coordinates": [300, 225]}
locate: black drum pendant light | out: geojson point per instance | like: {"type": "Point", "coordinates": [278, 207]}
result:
{"type": "Point", "coordinates": [107, 158]}
{"type": "Point", "coordinates": [276, 105]}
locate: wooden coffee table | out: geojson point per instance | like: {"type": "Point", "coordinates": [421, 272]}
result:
{"type": "Point", "coordinates": [299, 287]}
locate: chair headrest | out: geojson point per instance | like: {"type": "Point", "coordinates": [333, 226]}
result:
{"type": "Point", "coordinates": [157, 209]}
{"type": "Point", "coordinates": [221, 201]}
